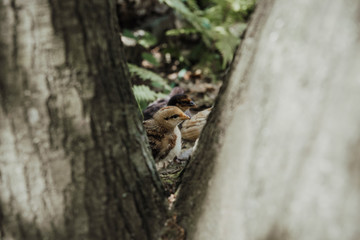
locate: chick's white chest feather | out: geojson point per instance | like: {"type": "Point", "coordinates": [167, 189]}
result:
{"type": "Point", "coordinates": [177, 148]}
{"type": "Point", "coordinates": [173, 152]}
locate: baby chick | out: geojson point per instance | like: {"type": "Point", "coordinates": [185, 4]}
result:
{"type": "Point", "coordinates": [181, 101]}
{"type": "Point", "coordinates": [192, 128]}
{"type": "Point", "coordinates": [162, 102]}
{"type": "Point", "coordinates": [164, 135]}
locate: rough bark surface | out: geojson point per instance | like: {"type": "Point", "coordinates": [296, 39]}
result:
{"type": "Point", "coordinates": [279, 157]}
{"type": "Point", "coordinates": [73, 159]}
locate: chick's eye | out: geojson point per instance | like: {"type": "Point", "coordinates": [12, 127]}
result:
{"type": "Point", "coordinates": [173, 116]}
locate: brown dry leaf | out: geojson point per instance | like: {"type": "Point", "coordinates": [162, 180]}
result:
{"type": "Point", "coordinates": [157, 54]}
{"type": "Point", "coordinates": [171, 200]}
{"type": "Point", "coordinates": [197, 73]}
{"type": "Point", "coordinates": [172, 76]}
{"type": "Point", "coordinates": [174, 67]}
{"type": "Point", "coordinates": [147, 64]}
{"type": "Point", "coordinates": [187, 76]}
{"type": "Point", "coordinates": [202, 87]}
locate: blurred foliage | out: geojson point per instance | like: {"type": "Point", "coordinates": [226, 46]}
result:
{"type": "Point", "coordinates": [142, 38]}
{"type": "Point", "coordinates": [206, 36]}
{"type": "Point", "coordinates": [150, 58]}
{"type": "Point", "coordinates": [219, 23]}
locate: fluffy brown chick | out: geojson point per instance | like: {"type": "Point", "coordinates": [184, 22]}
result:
{"type": "Point", "coordinates": [192, 128]}
{"type": "Point", "coordinates": [181, 101]}
{"type": "Point", "coordinates": [155, 106]}
{"type": "Point", "coordinates": [164, 135]}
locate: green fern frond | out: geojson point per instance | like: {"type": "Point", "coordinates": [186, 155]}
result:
{"type": "Point", "coordinates": [144, 95]}
{"type": "Point", "coordinates": [181, 31]}
{"type": "Point", "coordinates": [226, 44]}
{"type": "Point", "coordinates": [147, 40]}
{"type": "Point", "coordinates": [150, 58]}
{"type": "Point", "coordinates": [201, 24]}
{"type": "Point", "coordinates": [192, 5]}
{"type": "Point", "coordinates": [215, 14]}
{"type": "Point", "coordinates": [180, 7]}
{"type": "Point", "coordinates": [220, 24]}
{"type": "Point", "coordinates": [145, 74]}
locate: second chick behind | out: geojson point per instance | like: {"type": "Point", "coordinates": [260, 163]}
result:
{"type": "Point", "coordinates": [182, 101]}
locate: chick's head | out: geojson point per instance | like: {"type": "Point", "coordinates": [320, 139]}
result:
{"type": "Point", "coordinates": [181, 101]}
{"type": "Point", "coordinates": [169, 117]}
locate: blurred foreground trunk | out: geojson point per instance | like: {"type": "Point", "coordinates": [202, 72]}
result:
{"type": "Point", "coordinates": [280, 155]}
{"type": "Point", "coordinates": [73, 159]}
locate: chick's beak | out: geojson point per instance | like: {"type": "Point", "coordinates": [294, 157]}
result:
{"type": "Point", "coordinates": [184, 117]}
{"type": "Point", "coordinates": [191, 104]}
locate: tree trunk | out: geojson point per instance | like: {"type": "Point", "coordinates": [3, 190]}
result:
{"type": "Point", "coordinates": [73, 160]}
{"type": "Point", "coordinates": [279, 157]}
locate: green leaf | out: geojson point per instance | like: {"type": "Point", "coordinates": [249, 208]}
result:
{"type": "Point", "coordinates": [199, 23]}
{"type": "Point", "coordinates": [192, 4]}
{"type": "Point", "coordinates": [144, 95]}
{"type": "Point", "coordinates": [182, 73]}
{"type": "Point", "coordinates": [148, 75]}
{"type": "Point", "coordinates": [181, 31]}
{"type": "Point", "coordinates": [150, 58]}
{"type": "Point", "coordinates": [147, 40]}
{"type": "Point", "coordinates": [220, 24]}
{"type": "Point", "coordinates": [128, 33]}
{"type": "Point", "coordinates": [226, 45]}
{"type": "Point", "coordinates": [237, 29]}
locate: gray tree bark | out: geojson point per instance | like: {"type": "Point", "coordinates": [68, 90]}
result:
{"type": "Point", "coordinates": [279, 157]}
{"type": "Point", "coordinates": [73, 158]}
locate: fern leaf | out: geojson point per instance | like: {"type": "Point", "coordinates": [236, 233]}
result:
{"type": "Point", "coordinates": [144, 95]}
{"type": "Point", "coordinates": [226, 45]}
{"type": "Point", "coordinates": [147, 40]}
{"type": "Point", "coordinates": [150, 58]}
{"type": "Point", "coordinates": [199, 23]}
{"type": "Point", "coordinates": [149, 75]}
{"type": "Point", "coordinates": [192, 4]}
{"type": "Point", "coordinates": [181, 31]}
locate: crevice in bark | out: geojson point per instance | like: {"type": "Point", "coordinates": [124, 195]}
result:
{"type": "Point", "coordinates": [277, 232]}
{"type": "Point", "coordinates": [2, 98]}
{"type": "Point", "coordinates": [27, 102]}
{"type": "Point", "coordinates": [20, 223]}
{"type": "Point", "coordinates": [83, 28]}
{"type": "Point", "coordinates": [27, 182]}
{"type": "Point", "coordinates": [15, 33]}
{"type": "Point", "coordinates": [2, 218]}
{"type": "Point", "coordinates": [120, 207]}
{"type": "Point", "coordinates": [109, 169]}
{"type": "Point", "coordinates": [132, 194]}
{"type": "Point", "coordinates": [13, 131]}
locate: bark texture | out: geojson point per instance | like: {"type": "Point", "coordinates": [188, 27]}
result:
{"type": "Point", "coordinates": [279, 157]}
{"type": "Point", "coordinates": [73, 158]}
